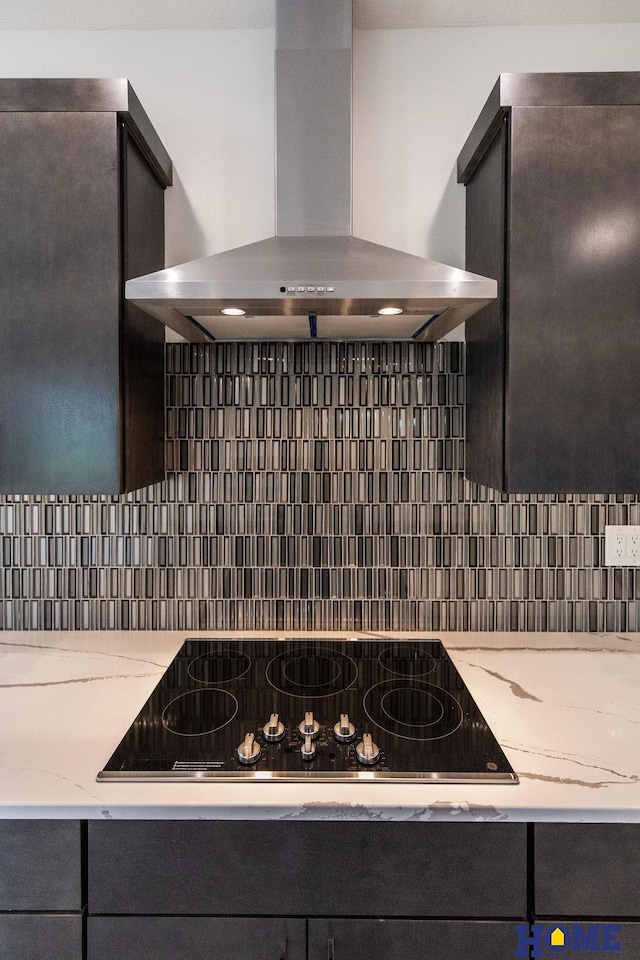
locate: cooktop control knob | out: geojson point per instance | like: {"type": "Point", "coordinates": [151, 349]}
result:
{"type": "Point", "coordinates": [308, 748]}
{"type": "Point", "coordinates": [249, 750]}
{"type": "Point", "coordinates": [367, 751]}
{"type": "Point", "coordinates": [274, 730]}
{"type": "Point", "coordinates": [344, 730]}
{"type": "Point", "coordinates": [309, 726]}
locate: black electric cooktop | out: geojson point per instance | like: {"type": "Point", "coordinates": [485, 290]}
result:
{"type": "Point", "coordinates": [310, 709]}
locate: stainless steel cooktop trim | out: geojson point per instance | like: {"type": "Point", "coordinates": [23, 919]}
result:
{"type": "Point", "coordinates": [161, 776]}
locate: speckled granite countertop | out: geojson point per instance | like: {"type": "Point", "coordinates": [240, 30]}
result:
{"type": "Point", "coordinates": [565, 707]}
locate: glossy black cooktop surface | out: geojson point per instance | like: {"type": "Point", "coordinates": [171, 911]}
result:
{"type": "Point", "coordinates": [310, 709]}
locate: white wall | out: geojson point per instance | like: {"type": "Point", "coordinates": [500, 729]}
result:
{"type": "Point", "coordinates": [417, 94]}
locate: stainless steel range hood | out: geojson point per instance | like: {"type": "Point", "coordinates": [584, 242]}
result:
{"type": "Point", "coordinates": [313, 280]}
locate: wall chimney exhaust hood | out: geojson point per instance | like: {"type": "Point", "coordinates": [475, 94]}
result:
{"type": "Point", "coordinates": [313, 280]}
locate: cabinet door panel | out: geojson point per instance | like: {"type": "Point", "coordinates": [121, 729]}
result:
{"type": "Point", "coordinates": [573, 418]}
{"type": "Point", "coordinates": [59, 311]}
{"type": "Point", "coordinates": [587, 869]}
{"type": "Point", "coordinates": [315, 868]}
{"type": "Point", "coordinates": [38, 936]}
{"type": "Point", "coordinates": [195, 938]}
{"type": "Point", "coordinates": [410, 939]}
{"type": "Point", "coordinates": [40, 865]}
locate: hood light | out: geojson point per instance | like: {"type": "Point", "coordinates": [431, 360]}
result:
{"type": "Point", "coordinates": [389, 311]}
{"type": "Point", "coordinates": [233, 312]}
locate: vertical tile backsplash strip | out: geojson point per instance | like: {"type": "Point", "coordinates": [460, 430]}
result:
{"type": "Point", "coordinates": [315, 486]}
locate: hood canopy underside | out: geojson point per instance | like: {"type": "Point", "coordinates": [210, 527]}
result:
{"type": "Point", "coordinates": [342, 282]}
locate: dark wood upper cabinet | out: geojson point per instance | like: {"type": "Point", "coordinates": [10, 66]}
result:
{"type": "Point", "coordinates": [552, 171]}
{"type": "Point", "coordinates": [82, 179]}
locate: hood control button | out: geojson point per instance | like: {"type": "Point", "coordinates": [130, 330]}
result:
{"type": "Point", "coordinates": [367, 751]}
{"type": "Point", "coordinates": [344, 731]}
{"type": "Point", "coordinates": [249, 750]}
{"type": "Point", "coordinates": [274, 729]}
{"type": "Point", "coordinates": [309, 726]}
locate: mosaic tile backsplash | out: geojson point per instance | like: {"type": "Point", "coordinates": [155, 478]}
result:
{"type": "Point", "coordinates": [315, 486]}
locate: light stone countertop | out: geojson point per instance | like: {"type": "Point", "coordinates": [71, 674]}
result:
{"type": "Point", "coordinates": [565, 708]}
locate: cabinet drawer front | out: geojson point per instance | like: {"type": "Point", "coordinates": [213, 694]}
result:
{"type": "Point", "coordinates": [35, 936]}
{"type": "Point", "coordinates": [411, 939]}
{"type": "Point", "coordinates": [195, 938]}
{"type": "Point", "coordinates": [587, 870]}
{"type": "Point", "coordinates": [307, 868]}
{"type": "Point", "coordinates": [40, 865]}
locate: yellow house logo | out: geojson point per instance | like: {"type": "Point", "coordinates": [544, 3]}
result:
{"type": "Point", "coordinates": [568, 940]}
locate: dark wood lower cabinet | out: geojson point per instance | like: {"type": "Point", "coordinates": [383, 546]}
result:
{"type": "Point", "coordinates": [411, 940]}
{"type": "Point", "coordinates": [306, 869]}
{"type": "Point", "coordinates": [40, 890]}
{"type": "Point", "coordinates": [40, 865]}
{"type": "Point", "coordinates": [196, 938]}
{"type": "Point", "coordinates": [273, 890]}
{"type": "Point", "coordinates": [587, 870]}
{"type": "Point", "coordinates": [40, 936]}
{"type": "Point", "coordinates": [241, 873]}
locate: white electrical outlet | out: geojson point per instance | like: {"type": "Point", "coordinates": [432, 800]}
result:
{"type": "Point", "coordinates": [622, 546]}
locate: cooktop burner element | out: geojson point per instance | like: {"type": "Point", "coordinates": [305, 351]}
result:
{"type": "Point", "coordinates": [219, 665]}
{"type": "Point", "coordinates": [300, 710]}
{"type": "Point", "coordinates": [199, 712]}
{"type": "Point", "coordinates": [407, 660]}
{"type": "Point", "coordinates": [307, 672]}
{"type": "Point", "coordinates": [412, 709]}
